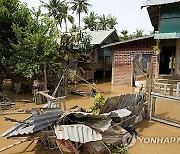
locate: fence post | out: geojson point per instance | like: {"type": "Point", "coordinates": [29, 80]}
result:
{"type": "Point", "coordinates": [149, 88]}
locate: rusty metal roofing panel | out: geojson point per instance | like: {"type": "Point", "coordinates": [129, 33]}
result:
{"type": "Point", "coordinates": [159, 2]}
{"type": "Point", "coordinates": [77, 133]}
{"type": "Point", "coordinates": [38, 121]}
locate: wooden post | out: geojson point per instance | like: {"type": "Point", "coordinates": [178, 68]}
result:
{"type": "Point", "coordinates": [132, 74]}
{"type": "Point", "coordinates": [177, 89]}
{"type": "Point", "coordinates": [149, 88]}
{"type": "Point", "coordinates": [45, 77]}
{"type": "Point", "coordinates": [172, 64]}
{"type": "Point", "coordinates": [113, 67]}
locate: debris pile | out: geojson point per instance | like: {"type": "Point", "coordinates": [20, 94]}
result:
{"type": "Point", "coordinates": [5, 102]}
{"type": "Point", "coordinates": [76, 130]}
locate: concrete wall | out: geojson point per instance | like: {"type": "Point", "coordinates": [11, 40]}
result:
{"type": "Point", "coordinates": [177, 67]}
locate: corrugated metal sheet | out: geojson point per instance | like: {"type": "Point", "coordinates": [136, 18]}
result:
{"type": "Point", "coordinates": [99, 36]}
{"type": "Point", "coordinates": [127, 41]}
{"type": "Point", "coordinates": [120, 113]}
{"type": "Point", "coordinates": [131, 102]}
{"type": "Point", "coordinates": [167, 36]}
{"type": "Point", "coordinates": [159, 2]}
{"type": "Point", "coordinates": [38, 121]}
{"type": "Point", "coordinates": [98, 122]}
{"type": "Point", "coordinates": [77, 133]}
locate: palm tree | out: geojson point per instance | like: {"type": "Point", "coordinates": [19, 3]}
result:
{"type": "Point", "coordinates": [90, 21]}
{"type": "Point", "coordinates": [74, 28]}
{"type": "Point", "coordinates": [80, 6]}
{"type": "Point", "coordinates": [138, 33]}
{"type": "Point", "coordinates": [63, 15]}
{"type": "Point", "coordinates": [124, 35]}
{"type": "Point", "coordinates": [103, 23]}
{"type": "Point", "coordinates": [52, 7]}
{"type": "Point", "coordinates": [112, 21]}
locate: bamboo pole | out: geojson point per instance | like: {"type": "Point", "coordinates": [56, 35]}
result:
{"type": "Point", "coordinates": [10, 113]}
{"type": "Point", "coordinates": [85, 81]}
{"type": "Point", "coordinates": [13, 145]}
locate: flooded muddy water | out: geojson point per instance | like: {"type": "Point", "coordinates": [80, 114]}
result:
{"type": "Point", "coordinates": [167, 109]}
{"type": "Point", "coordinates": [145, 129]}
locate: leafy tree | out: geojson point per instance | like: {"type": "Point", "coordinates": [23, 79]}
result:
{"type": "Point", "coordinates": [63, 14]}
{"type": "Point", "coordinates": [36, 46]}
{"type": "Point", "coordinates": [11, 12]}
{"type": "Point", "coordinates": [53, 7]}
{"type": "Point", "coordinates": [103, 22]}
{"type": "Point", "coordinates": [124, 35]}
{"type": "Point", "coordinates": [112, 21]}
{"type": "Point", "coordinates": [91, 21]}
{"type": "Point", "coordinates": [138, 33]}
{"type": "Point", "coordinates": [80, 6]}
{"type": "Point", "coordinates": [74, 28]}
{"type": "Point", "coordinates": [106, 23]}
{"type": "Point", "coordinates": [39, 43]}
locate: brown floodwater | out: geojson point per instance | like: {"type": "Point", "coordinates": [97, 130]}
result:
{"type": "Point", "coordinates": [145, 129]}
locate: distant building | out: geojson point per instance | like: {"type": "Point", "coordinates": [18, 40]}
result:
{"type": "Point", "coordinates": [101, 59]}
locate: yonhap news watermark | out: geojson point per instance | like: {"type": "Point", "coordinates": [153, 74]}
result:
{"type": "Point", "coordinates": [158, 140]}
{"type": "Point", "coordinates": [152, 140]}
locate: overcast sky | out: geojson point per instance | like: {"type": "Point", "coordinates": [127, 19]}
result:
{"type": "Point", "coordinates": [129, 14]}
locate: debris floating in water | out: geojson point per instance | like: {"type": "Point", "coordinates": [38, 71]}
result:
{"type": "Point", "coordinates": [5, 102]}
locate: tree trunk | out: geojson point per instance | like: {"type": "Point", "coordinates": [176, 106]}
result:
{"type": "Point", "coordinates": [65, 25]}
{"type": "Point", "coordinates": [79, 21]}
{"type": "Point", "coordinates": [45, 77]}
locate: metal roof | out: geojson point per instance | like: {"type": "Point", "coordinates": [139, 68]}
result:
{"type": "Point", "coordinates": [158, 2]}
{"type": "Point", "coordinates": [119, 113]}
{"type": "Point", "coordinates": [127, 41]}
{"type": "Point", "coordinates": [99, 122]}
{"type": "Point", "coordinates": [98, 37]}
{"type": "Point", "coordinates": [77, 133]}
{"type": "Point", "coordinates": [38, 121]}
{"type": "Point", "coordinates": [167, 36]}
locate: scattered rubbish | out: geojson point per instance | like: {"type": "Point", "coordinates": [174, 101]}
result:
{"type": "Point", "coordinates": [5, 102]}
{"type": "Point", "coordinates": [93, 90]}
{"type": "Point", "coordinates": [75, 130]}
{"type": "Point", "coordinates": [39, 120]}
{"type": "Point", "coordinates": [79, 92]}
{"type": "Point", "coordinates": [97, 147]}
